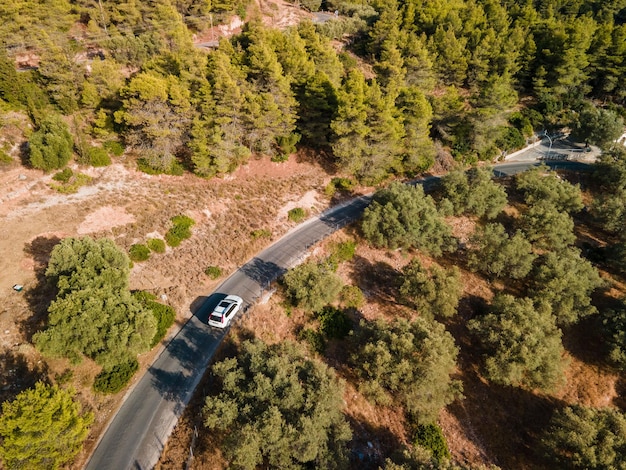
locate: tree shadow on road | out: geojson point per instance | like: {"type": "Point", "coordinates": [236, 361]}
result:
{"type": "Point", "coordinates": [262, 271]}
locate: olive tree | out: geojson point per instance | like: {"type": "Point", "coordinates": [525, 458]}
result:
{"type": "Point", "coordinates": [523, 343]}
{"type": "Point", "coordinates": [407, 361]}
{"type": "Point", "coordinates": [433, 291]}
{"type": "Point", "coordinates": [474, 192]}
{"type": "Point", "coordinates": [312, 285]}
{"type": "Point", "coordinates": [402, 216]}
{"type": "Point", "coordinates": [582, 437]}
{"type": "Point", "coordinates": [276, 408]}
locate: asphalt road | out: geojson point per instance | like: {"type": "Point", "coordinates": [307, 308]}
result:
{"type": "Point", "coordinates": [137, 434]}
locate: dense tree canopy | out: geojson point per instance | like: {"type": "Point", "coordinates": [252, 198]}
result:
{"type": "Point", "coordinates": [42, 428]}
{"type": "Point", "coordinates": [407, 361]}
{"type": "Point", "coordinates": [565, 280]}
{"type": "Point", "coordinates": [582, 437]}
{"type": "Point", "coordinates": [542, 185]}
{"type": "Point", "coordinates": [523, 343]}
{"type": "Point", "coordinates": [474, 192]}
{"type": "Point", "coordinates": [497, 254]}
{"type": "Point", "coordinates": [434, 291]}
{"type": "Point", "coordinates": [403, 216]}
{"type": "Point", "coordinates": [94, 314]}
{"type": "Point", "coordinates": [278, 409]}
{"type": "Point", "coordinates": [50, 146]}
{"type": "Point", "coordinates": [312, 285]}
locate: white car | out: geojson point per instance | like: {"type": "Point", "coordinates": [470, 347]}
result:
{"type": "Point", "coordinates": [225, 311]}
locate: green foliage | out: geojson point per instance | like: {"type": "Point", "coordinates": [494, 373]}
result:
{"type": "Point", "coordinates": [70, 182]}
{"type": "Point", "coordinates": [98, 156]}
{"type": "Point", "coordinates": [297, 214]}
{"type": "Point", "coordinates": [315, 339]}
{"type": "Point", "coordinates": [64, 175]}
{"type": "Point", "coordinates": [334, 323]}
{"type": "Point", "coordinates": [278, 408]}
{"type": "Point", "coordinates": [115, 379]}
{"type": "Point", "coordinates": [408, 362]}
{"type": "Point", "coordinates": [213, 272]}
{"type": "Point", "coordinates": [114, 147]}
{"type": "Point", "coordinates": [5, 158]}
{"type": "Point", "coordinates": [93, 314]}
{"type": "Point", "coordinates": [431, 437]}
{"type": "Point", "coordinates": [163, 314]}
{"type": "Point", "coordinates": [402, 216]}
{"type": "Point", "coordinates": [539, 184]}
{"type": "Point", "coordinates": [42, 428]}
{"type": "Point", "coordinates": [523, 343]}
{"type": "Point", "coordinates": [144, 165]}
{"type": "Point", "coordinates": [547, 227]}
{"type": "Point", "coordinates": [311, 286]}
{"type": "Point", "coordinates": [610, 205]}
{"type": "Point", "coordinates": [598, 126]}
{"type": "Point", "coordinates": [352, 297]}
{"type": "Point", "coordinates": [433, 292]}
{"type": "Point", "coordinates": [50, 146]}
{"type": "Point", "coordinates": [474, 192]}
{"type": "Point", "coordinates": [156, 245]}
{"type": "Point", "coordinates": [565, 280]}
{"type": "Point", "coordinates": [614, 323]}
{"type": "Point", "coordinates": [139, 252]}
{"type": "Point", "coordinates": [582, 437]}
{"type": "Point", "coordinates": [261, 233]}
{"type": "Point", "coordinates": [498, 255]}
{"type": "Point", "coordinates": [343, 185]}
{"type": "Point", "coordinates": [344, 251]}
{"type": "Point", "coordinates": [180, 231]}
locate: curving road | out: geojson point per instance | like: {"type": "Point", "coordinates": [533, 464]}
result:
{"type": "Point", "coordinates": [137, 434]}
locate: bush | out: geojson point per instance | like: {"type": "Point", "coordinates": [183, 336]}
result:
{"type": "Point", "coordinates": [156, 244]}
{"type": "Point", "coordinates": [115, 379]}
{"type": "Point", "coordinates": [139, 252]}
{"type": "Point", "coordinates": [144, 166]}
{"type": "Point", "coordinates": [5, 158]}
{"type": "Point", "coordinates": [97, 156]}
{"type": "Point", "coordinates": [163, 314]}
{"type": "Point", "coordinates": [51, 145]}
{"type": "Point", "coordinates": [297, 214]}
{"type": "Point", "coordinates": [344, 251]}
{"type": "Point", "coordinates": [314, 339]}
{"type": "Point", "coordinates": [334, 323]}
{"type": "Point", "coordinates": [311, 286]}
{"type": "Point", "coordinates": [260, 233]}
{"type": "Point", "coordinates": [431, 437]}
{"type": "Point", "coordinates": [64, 175]}
{"type": "Point", "coordinates": [213, 272]}
{"type": "Point", "coordinates": [344, 185]}
{"type": "Point", "coordinates": [352, 297]}
{"type": "Point", "coordinates": [180, 231]}
{"type": "Point", "coordinates": [114, 147]}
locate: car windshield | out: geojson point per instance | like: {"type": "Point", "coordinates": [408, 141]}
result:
{"type": "Point", "coordinates": [216, 317]}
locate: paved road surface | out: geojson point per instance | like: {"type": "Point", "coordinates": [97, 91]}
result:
{"type": "Point", "coordinates": [137, 434]}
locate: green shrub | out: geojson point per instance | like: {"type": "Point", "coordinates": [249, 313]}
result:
{"type": "Point", "coordinates": [334, 323]}
{"type": "Point", "coordinates": [176, 169]}
{"type": "Point", "coordinates": [5, 158]}
{"type": "Point", "coordinates": [64, 377]}
{"type": "Point", "coordinates": [115, 379]}
{"type": "Point", "coordinates": [344, 251]}
{"type": "Point", "coordinates": [260, 233]}
{"type": "Point", "coordinates": [180, 231]}
{"type": "Point", "coordinates": [73, 183]}
{"type": "Point", "coordinates": [164, 314]}
{"type": "Point", "coordinates": [297, 214]}
{"type": "Point", "coordinates": [314, 339]}
{"type": "Point", "coordinates": [431, 437]}
{"type": "Point", "coordinates": [344, 185]}
{"type": "Point", "coordinates": [114, 147]}
{"type": "Point", "coordinates": [156, 244]}
{"type": "Point", "coordinates": [352, 297]}
{"type": "Point", "coordinates": [139, 252]}
{"type": "Point", "coordinates": [97, 156]}
{"type": "Point", "coordinates": [213, 272]}
{"type": "Point", "coordinates": [64, 175]}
